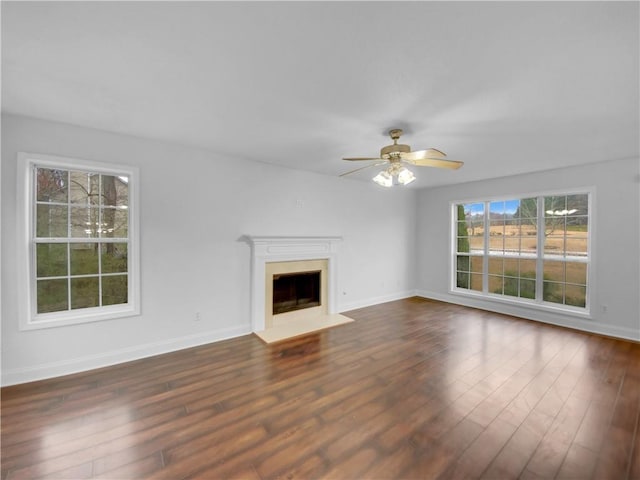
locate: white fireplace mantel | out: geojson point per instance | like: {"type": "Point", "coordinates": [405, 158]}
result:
{"type": "Point", "coordinates": [265, 249]}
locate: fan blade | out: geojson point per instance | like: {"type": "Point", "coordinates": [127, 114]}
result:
{"type": "Point", "coordinates": [420, 154]}
{"type": "Point", "coordinates": [357, 159]}
{"type": "Point", "coordinates": [362, 168]}
{"type": "Point", "coordinates": [435, 162]}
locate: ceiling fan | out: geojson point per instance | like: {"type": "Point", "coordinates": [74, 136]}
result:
{"type": "Point", "coordinates": [399, 155]}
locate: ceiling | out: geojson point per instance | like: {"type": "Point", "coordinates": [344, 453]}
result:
{"type": "Point", "coordinates": [507, 87]}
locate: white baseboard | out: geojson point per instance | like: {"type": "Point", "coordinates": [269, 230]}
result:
{"type": "Point", "coordinates": [585, 325]}
{"type": "Point", "coordinates": [346, 306]}
{"type": "Point", "coordinates": [89, 362]}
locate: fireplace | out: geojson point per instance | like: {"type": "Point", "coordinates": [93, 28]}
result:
{"type": "Point", "coordinates": [282, 256]}
{"type": "Point", "coordinates": [295, 291]}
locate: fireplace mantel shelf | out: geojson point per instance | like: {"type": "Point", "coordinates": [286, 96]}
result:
{"type": "Point", "coordinates": [275, 240]}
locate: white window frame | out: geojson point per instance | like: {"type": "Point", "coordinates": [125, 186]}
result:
{"type": "Point", "coordinates": [29, 319]}
{"type": "Point", "coordinates": [538, 302]}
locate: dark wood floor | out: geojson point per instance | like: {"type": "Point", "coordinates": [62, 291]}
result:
{"type": "Point", "coordinates": [412, 389]}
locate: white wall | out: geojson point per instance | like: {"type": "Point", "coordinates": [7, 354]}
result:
{"type": "Point", "coordinates": [617, 242]}
{"type": "Point", "coordinates": [195, 206]}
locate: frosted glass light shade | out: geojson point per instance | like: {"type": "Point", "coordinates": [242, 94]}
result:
{"type": "Point", "coordinates": [405, 176]}
{"type": "Point", "coordinates": [384, 179]}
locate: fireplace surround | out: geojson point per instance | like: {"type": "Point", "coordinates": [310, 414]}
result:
{"type": "Point", "coordinates": [286, 252]}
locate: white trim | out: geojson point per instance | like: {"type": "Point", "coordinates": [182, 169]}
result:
{"type": "Point", "coordinates": [520, 195]}
{"type": "Point", "coordinates": [368, 302]}
{"type": "Point", "coordinates": [559, 318]}
{"type": "Point", "coordinates": [28, 318]}
{"type": "Point", "coordinates": [114, 357]}
{"type": "Point", "coordinates": [282, 249]}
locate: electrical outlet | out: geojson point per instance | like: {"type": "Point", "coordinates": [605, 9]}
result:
{"type": "Point", "coordinates": [603, 308]}
{"type": "Point", "coordinates": [197, 318]}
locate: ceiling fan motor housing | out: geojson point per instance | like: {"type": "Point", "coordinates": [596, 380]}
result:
{"type": "Point", "coordinates": [393, 150]}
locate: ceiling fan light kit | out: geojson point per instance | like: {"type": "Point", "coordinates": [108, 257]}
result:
{"type": "Point", "coordinates": [397, 155]}
{"type": "Point", "coordinates": [403, 176]}
{"type": "Point", "coordinates": [384, 179]}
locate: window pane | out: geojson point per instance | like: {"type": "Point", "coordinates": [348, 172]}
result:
{"type": "Point", "coordinates": [84, 258]}
{"type": "Point", "coordinates": [114, 223]}
{"type": "Point", "coordinates": [51, 221]}
{"type": "Point", "coordinates": [527, 208]}
{"type": "Point", "coordinates": [555, 204]}
{"type": "Point", "coordinates": [511, 244]}
{"type": "Point", "coordinates": [528, 227]}
{"type": "Point", "coordinates": [510, 286]}
{"type": "Point", "coordinates": [461, 222]}
{"type": "Point", "coordinates": [578, 224]}
{"type": "Point", "coordinates": [51, 185]}
{"type": "Point", "coordinates": [495, 284]}
{"type": "Point", "coordinates": [579, 203]}
{"type": "Point", "coordinates": [463, 228]}
{"type": "Point", "coordinates": [512, 227]}
{"type": "Point", "coordinates": [529, 244]}
{"type": "Point", "coordinates": [511, 267]}
{"type": "Point", "coordinates": [84, 188]}
{"type": "Point", "coordinates": [496, 240]}
{"type": "Point", "coordinates": [576, 273]}
{"type": "Point", "coordinates": [497, 216]}
{"type": "Point", "coordinates": [553, 292]}
{"type": "Point", "coordinates": [575, 295]}
{"type": "Point", "coordinates": [114, 290]}
{"type": "Point", "coordinates": [462, 279]}
{"type": "Point", "coordinates": [51, 259]}
{"type": "Point", "coordinates": [495, 265]}
{"type": "Point", "coordinates": [528, 269]}
{"type": "Point", "coordinates": [476, 282]}
{"type": "Point", "coordinates": [476, 241]}
{"type": "Point", "coordinates": [114, 257]}
{"type": "Point", "coordinates": [576, 246]}
{"type": "Point", "coordinates": [554, 245]}
{"type": "Point", "coordinates": [84, 292]}
{"type": "Point", "coordinates": [476, 264]}
{"type": "Point", "coordinates": [462, 263]}
{"type": "Point", "coordinates": [527, 288]}
{"type": "Point", "coordinates": [52, 296]}
{"type": "Point", "coordinates": [84, 222]}
{"type": "Point", "coordinates": [463, 245]}
{"type": "Point", "coordinates": [496, 211]}
{"type": "Point", "coordinates": [554, 271]}
{"type": "Point", "coordinates": [115, 191]}
{"type": "Point", "coordinates": [473, 214]}
{"type": "Point", "coordinates": [554, 225]}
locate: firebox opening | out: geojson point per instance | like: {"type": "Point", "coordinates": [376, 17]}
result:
{"type": "Point", "coordinates": [295, 291]}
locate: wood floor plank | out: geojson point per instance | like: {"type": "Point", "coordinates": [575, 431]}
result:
{"type": "Point", "coordinates": [412, 389]}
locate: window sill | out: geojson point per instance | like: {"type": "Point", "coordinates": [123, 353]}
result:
{"type": "Point", "coordinates": [88, 315]}
{"type": "Point", "coordinates": [581, 313]}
